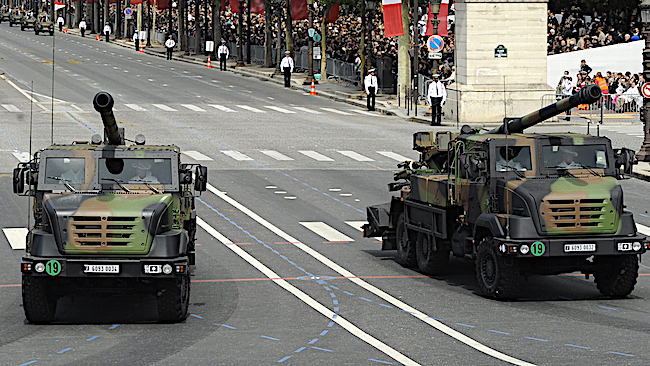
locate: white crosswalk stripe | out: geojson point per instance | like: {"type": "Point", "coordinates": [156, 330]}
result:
{"type": "Point", "coordinates": [164, 107]}
{"type": "Point", "coordinates": [281, 110]}
{"type": "Point", "coordinates": [221, 108]}
{"type": "Point", "coordinates": [11, 108]}
{"type": "Point", "coordinates": [326, 231]}
{"type": "Point", "coordinates": [314, 155]}
{"type": "Point", "coordinates": [643, 229]}
{"type": "Point", "coordinates": [276, 155]}
{"type": "Point", "coordinates": [365, 112]}
{"type": "Point", "coordinates": [193, 107]}
{"type": "Point", "coordinates": [355, 156]}
{"type": "Point", "coordinates": [197, 155]}
{"type": "Point", "coordinates": [356, 224]}
{"type": "Point", "coordinates": [308, 110]}
{"type": "Point", "coordinates": [16, 237]}
{"type": "Point", "coordinates": [136, 107]}
{"type": "Point", "coordinates": [336, 111]}
{"type": "Point", "coordinates": [252, 109]}
{"type": "Point", "coordinates": [392, 155]}
{"type": "Point", "coordinates": [236, 155]}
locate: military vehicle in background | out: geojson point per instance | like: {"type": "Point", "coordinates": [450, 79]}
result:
{"type": "Point", "coordinates": [5, 13]}
{"type": "Point", "coordinates": [109, 217]}
{"type": "Point", "coordinates": [517, 204]}
{"type": "Point", "coordinates": [27, 21]}
{"type": "Point", "coordinates": [15, 17]}
{"type": "Point", "coordinates": [44, 24]}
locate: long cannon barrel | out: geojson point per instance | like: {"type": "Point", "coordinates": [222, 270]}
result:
{"type": "Point", "coordinates": [588, 95]}
{"type": "Point", "coordinates": [103, 103]}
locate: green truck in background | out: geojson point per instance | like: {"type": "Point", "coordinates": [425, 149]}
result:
{"type": "Point", "coordinates": [109, 217]}
{"type": "Point", "coordinates": [516, 204]}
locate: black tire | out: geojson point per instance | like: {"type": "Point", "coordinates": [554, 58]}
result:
{"type": "Point", "coordinates": [22, 28]}
{"type": "Point", "coordinates": [495, 278]}
{"type": "Point", "coordinates": [39, 303]}
{"type": "Point", "coordinates": [431, 262]}
{"type": "Point", "coordinates": [52, 33]}
{"type": "Point", "coordinates": [405, 244]}
{"type": "Point", "coordinates": [173, 299]}
{"type": "Point", "coordinates": [36, 31]}
{"type": "Point", "coordinates": [617, 275]}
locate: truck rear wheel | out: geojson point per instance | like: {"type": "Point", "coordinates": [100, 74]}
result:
{"type": "Point", "coordinates": [495, 278]}
{"type": "Point", "coordinates": [430, 261]}
{"type": "Point", "coordinates": [39, 303]}
{"type": "Point", "coordinates": [405, 244]}
{"type": "Point", "coordinates": [173, 299]}
{"type": "Point", "coordinates": [617, 275]}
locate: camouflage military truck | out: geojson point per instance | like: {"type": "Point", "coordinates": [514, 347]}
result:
{"type": "Point", "coordinates": [27, 22]}
{"type": "Point", "coordinates": [5, 14]}
{"type": "Point", "coordinates": [44, 24]}
{"type": "Point", "coordinates": [517, 204]}
{"type": "Point", "coordinates": [15, 17]}
{"type": "Point", "coordinates": [109, 217]}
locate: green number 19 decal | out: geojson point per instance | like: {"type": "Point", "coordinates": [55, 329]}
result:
{"type": "Point", "coordinates": [538, 248]}
{"type": "Point", "coordinates": [53, 267]}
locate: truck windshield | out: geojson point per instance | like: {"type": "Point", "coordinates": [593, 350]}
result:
{"type": "Point", "coordinates": [575, 156]}
{"type": "Point", "coordinates": [511, 158]}
{"type": "Point", "coordinates": [65, 170]}
{"type": "Point", "coordinates": [136, 170]}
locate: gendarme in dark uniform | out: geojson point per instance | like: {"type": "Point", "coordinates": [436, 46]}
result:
{"type": "Point", "coordinates": [287, 68]}
{"type": "Point", "coordinates": [370, 82]}
{"type": "Point", "coordinates": [436, 97]}
{"type": "Point", "coordinates": [223, 53]}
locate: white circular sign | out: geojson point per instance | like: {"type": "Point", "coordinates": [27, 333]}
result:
{"type": "Point", "coordinates": [645, 90]}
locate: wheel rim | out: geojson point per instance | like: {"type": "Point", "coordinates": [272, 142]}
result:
{"type": "Point", "coordinates": [425, 246]}
{"type": "Point", "coordinates": [488, 269]}
{"type": "Point", "coordinates": [403, 243]}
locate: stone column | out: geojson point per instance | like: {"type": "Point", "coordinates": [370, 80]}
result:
{"type": "Point", "coordinates": [489, 88]}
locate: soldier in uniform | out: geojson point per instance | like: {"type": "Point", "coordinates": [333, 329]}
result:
{"type": "Point", "coordinates": [143, 174]}
{"type": "Point", "coordinates": [223, 54]}
{"type": "Point", "coordinates": [287, 68]}
{"type": "Point", "coordinates": [370, 82]}
{"type": "Point", "coordinates": [436, 97]}
{"type": "Point", "coordinates": [75, 174]}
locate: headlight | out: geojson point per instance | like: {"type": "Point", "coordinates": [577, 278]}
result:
{"type": "Point", "coordinates": [524, 249]}
{"type": "Point", "coordinates": [636, 246]}
{"type": "Point", "coordinates": [39, 267]}
{"type": "Point", "coordinates": [167, 268]}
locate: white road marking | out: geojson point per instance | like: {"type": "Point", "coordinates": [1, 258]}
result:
{"type": "Point", "coordinates": [193, 107]}
{"type": "Point", "coordinates": [136, 107]}
{"type": "Point", "coordinates": [355, 156]}
{"type": "Point", "coordinates": [236, 155]}
{"type": "Point", "coordinates": [356, 224]}
{"type": "Point", "coordinates": [197, 155]}
{"type": "Point", "coordinates": [24, 93]}
{"type": "Point", "coordinates": [336, 111]}
{"type": "Point", "coordinates": [11, 108]}
{"type": "Point", "coordinates": [77, 108]}
{"type": "Point", "coordinates": [221, 108]}
{"type": "Point", "coordinates": [276, 155]}
{"type": "Point", "coordinates": [22, 157]}
{"type": "Point", "coordinates": [271, 187]}
{"type": "Point", "coordinates": [314, 155]}
{"type": "Point", "coordinates": [326, 231]}
{"type": "Point", "coordinates": [368, 287]}
{"type": "Point", "coordinates": [643, 229]}
{"type": "Point", "coordinates": [365, 112]}
{"type": "Point", "coordinates": [392, 155]}
{"type": "Point", "coordinates": [164, 107]}
{"type": "Point", "coordinates": [334, 189]}
{"type": "Point", "coordinates": [251, 109]}
{"type": "Point", "coordinates": [338, 319]}
{"type": "Point", "coordinates": [308, 110]}
{"type": "Point", "coordinates": [16, 237]}
{"type": "Point", "coordinates": [281, 110]}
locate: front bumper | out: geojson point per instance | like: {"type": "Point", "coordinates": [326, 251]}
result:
{"type": "Point", "coordinates": [128, 268]}
{"type": "Point", "coordinates": [557, 247]}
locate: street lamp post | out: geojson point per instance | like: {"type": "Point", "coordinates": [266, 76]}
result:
{"type": "Point", "coordinates": [248, 32]}
{"type": "Point", "coordinates": [644, 152]}
{"type": "Point", "coordinates": [310, 43]}
{"type": "Point", "coordinates": [148, 23]}
{"type": "Point", "coordinates": [240, 56]}
{"type": "Point", "coordinates": [416, 54]}
{"type": "Point", "coordinates": [370, 6]}
{"type": "Point", "coordinates": [435, 10]}
{"type": "Point", "coordinates": [278, 13]}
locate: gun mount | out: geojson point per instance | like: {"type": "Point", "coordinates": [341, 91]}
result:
{"type": "Point", "coordinates": [103, 103]}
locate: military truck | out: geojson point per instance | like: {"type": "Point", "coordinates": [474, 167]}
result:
{"type": "Point", "coordinates": [44, 24]}
{"type": "Point", "coordinates": [515, 203]}
{"type": "Point", "coordinates": [15, 17]}
{"type": "Point", "coordinates": [109, 217]}
{"type": "Point", "coordinates": [5, 14]}
{"type": "Point", "coordinates": [27, 22]}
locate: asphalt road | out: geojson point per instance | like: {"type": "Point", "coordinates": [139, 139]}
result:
{"type": "Point", "coordinates": [283, 272]}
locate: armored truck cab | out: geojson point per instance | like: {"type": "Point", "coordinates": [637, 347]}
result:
{"type": "Point", "coordinates": [44, 24]}
{"type": "Point", "coordinates": [5, 14]}
{"type": "Point", "coordinates": [109, 217]}
{"type": "Point", "coordinates": [27, 22]}
{"type": "Point", "coordinates": [15, 17]}
{"type": "Point", "coordinates": [517, 204]}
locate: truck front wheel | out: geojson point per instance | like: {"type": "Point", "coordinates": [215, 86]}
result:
{"type": "Point", "coordinates": [405, 244]}
{"type": "Point", "coordinates": [173, 299]}
{"type": "Point", "coordinates": [495, 278]}
{"type": "Point", "coordinates": [431, 261]}
{"type": "Point", "coordinates": [616, 275]}
{"type": "Point", "coordinates": [39, 303]}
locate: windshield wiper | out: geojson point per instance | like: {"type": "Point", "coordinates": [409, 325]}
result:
{"type": "Point", "coordinates": [589, 169]}
{"type": "Point", "coordinates": [119, 183]}
{"type": "Point", "coordinates": [509, 168]}
{"type": "Point", "coordinates": [65, 183]}
{"type": "Point", "coordinates": [565, 169]}
{"type": "Point", "coordinates": [146, 184]}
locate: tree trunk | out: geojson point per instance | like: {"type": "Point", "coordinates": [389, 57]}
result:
{"type": "Point", "coordinates": [216, 23]}
{"type": "Point", "coordinates": [288, 25]}
{"type": "Point", "coordinates": [182, 29]}
{"type": "Point", "coordinates": [268, 36]}
{"type": "Point", "coordinates": [323, 30]}
{"type": "Point", "coordinates": [403, 59]}
{"type": "Point", "coordinates": [362, 46]}
{"type": "Point", "coordinates": [197, 26]}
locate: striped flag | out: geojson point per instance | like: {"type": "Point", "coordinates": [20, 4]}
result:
{"type": "Point", "coordinates": [442, 17]}
{"type": "Point", "coordinates": [58, 5]}
{"type": "Point", "coordinates": [393, 25]}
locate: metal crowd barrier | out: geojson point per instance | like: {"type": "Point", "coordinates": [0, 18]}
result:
{"type": "Point", "coordinates": [624, 106]}
{"type": "Point", "coordinates": [348, 72]}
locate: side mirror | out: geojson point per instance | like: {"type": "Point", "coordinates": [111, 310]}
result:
{"type": "Point", "coordinates": [625, 159]}
{"type": "Point", "coordinates": [19, 180]}
{"type": "Point", "coordinates": [185, 174]}
{"type": "Point", "coordinates": [201, 181]}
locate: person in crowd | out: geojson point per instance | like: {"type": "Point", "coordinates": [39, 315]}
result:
{"type": "Point", "coordinates": [567, 91]}
{"type": "Point", "coordinates": [584, 67]}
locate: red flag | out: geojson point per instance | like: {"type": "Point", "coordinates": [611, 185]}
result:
{"type": "Point", "coordinates": [223, 4]}
{"type": "Point", "coordinates": [442, 17]}
{"type": "Point", "coordinates": [299, 9]}
{"type": "Point", "coordinates": [393, 25]}
{"type": "Point", "coordinates": [136, 2]}
{"type": "Point", "coordinates": [257, 6]}
{"type": "Point", "coordinates": [162, 4]}
{"type": "Point", "coordinates": [234, 6]}
{"type": "Point", "coordinates": [334, 13]}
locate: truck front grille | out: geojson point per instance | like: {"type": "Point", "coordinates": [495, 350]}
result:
{"type": "Point", "coordinates": [96, 231]}
{"type": "Point", "coordinates": [577, 215]}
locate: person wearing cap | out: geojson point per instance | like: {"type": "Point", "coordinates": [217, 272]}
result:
{"type": "Point", "coordinates": [370, 82]}
{"type": "Point", "coordinates": [143, 174]}
{"type": "Point", "coordinates": [82, 27]}
{"type": "Point", "coordinates": [287, 68]}
{"type": "Point", "coordinates": [568, 154]}
{"type": "Point", "coordinates": [107, 31]}
{"type": "Point", "coordinates": [60, 22]}
{"type": "Point", "coordinates": [223, 53]}
{"type": "Point", "coordinates": [136, 40]}
{"type": "Point", "coordinates": [436, 97]}
{"type": "Point", "coordinates": [169, 45]}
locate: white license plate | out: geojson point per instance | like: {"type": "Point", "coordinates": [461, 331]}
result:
{"type": "Point", "coordinates": [579, 247]}
{"type": "Point", "coordinates": [101, 268]}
